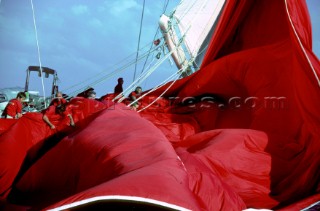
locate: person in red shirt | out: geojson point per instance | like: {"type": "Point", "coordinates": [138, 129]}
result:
{"type": "Point", "coordinates": [56, 115]}
{"type": "Point", "coordinates": [135, 95]}
{"type": "Point", "coordinates": [14, 108]}
{"type": "Point", "coordinates": [58, 100]}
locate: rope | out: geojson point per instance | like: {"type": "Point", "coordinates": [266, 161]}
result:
{"type": "Point", "coordinates": [180, 71]}
{"type": "Point", "coordinates": [145, 83]}
{"type": "Point", "coordinates": [149, 51]}
{"type": "Point", "coordinates": [155, 66]}
{"type": "Point", "coordinates": [39, 56]}
{"type": "Point", "coordinates": [155, 88]}
{"type": "Point", "coordinates": [142, 77]}
{"type": "Point", "coordinates": [165, 6]}
{"type": "Point", "coordinates": [150, 104]}
{"type": "Point", "coordinates": [146, 74]}
{"type": "Point", "coordinates": [156, 34]}
{"type": "Point", "coordinates": [135, 68]}
{"type": "Point", "coordinates": [301, 45]}
{"type": "Point", "coordinates": [158, 63]}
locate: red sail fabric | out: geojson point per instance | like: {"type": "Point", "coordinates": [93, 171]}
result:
{"type": "Point", "coordinates": [5, 124]}
{"type": "Point", "coordinates": [261, 63]}
{"type": "Point", "coordinates": [14, 144]}
{"type": "Point", "coordinates": [268, 56]}
{"type": "Point", "coordinates": [242, 132]}
{"type": "Point", "coordinates": [24, 139]}
{"type": "Point", "coordinates": [118, 154]}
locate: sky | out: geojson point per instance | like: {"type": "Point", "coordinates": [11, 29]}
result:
{"type": "Point", "coordinates": [86, 40]}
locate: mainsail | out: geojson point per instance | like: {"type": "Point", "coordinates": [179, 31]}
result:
{"type": "Point", "coordinates": [188, 30]}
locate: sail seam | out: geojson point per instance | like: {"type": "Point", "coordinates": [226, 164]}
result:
{"type": "Point", "coordinates": [301, 45]}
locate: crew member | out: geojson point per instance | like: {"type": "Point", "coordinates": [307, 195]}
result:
{"type": "Point", "coordinates": [13, 109]}
{"type": "Point", "coordinates": [133, 96]}
{"type": "Point", "coordinates": [55, 115]}
{"type": "Point", "coordinates": [118, 88]}
{"type": "Point", "coordinates": [58, 100]}
{"type": "Point", "coordinates": [91, 95]}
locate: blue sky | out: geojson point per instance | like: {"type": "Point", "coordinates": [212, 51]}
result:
{"type": "Point", "coordinates": [81, 39]}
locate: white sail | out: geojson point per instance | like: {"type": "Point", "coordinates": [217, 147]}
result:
{"type": "Point", "coordinates": [196, 21]}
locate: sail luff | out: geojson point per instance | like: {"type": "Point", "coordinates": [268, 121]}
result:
{"type": "Point", "coordinates": [201, 17]}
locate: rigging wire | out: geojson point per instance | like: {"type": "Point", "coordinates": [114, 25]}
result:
{"type": "Point", "coordinates": [150, 104]}
{"type": "Point", "coordinates": [180, 71]}
{"type": "Point", "coordinates": [160, 62]}
{"type": "Point", "coordinates": [165, 6]}
{"type": "Point", "coordinates": [143, 76]}
{"type": "Point", "coordinates": [39, 55]}
{"type": "Point", "coordinates": [164, 10]}
{"type": "Point", "coordinates": [150, 66]}
{"type": "Point", "coordinates": [149, 50]}
{"type": "Point", "coordinates": [99, 80]}
{"type": "Point", "coordinates": [158, 87]}
{"type": "Point", "coordinates": [108, 75]}
{"type": "Point", "coordinates": [155, 88]}
{"type": "Point", "coordinates": [135, 69]}
{"type": "Point", "coordinates": [111, 67]}
{"type": "Point", "coordinates": [111, 74]}
{"type": "Point", "coordinates": [148, 73]}
{"type": "Point", "coordinates": [154, 67]}
{"type": "Point", "coordinates": [156, 34]}
{"type": "Point", "coordinates": [186, 11]}
{"type": "Point", "coordinates": [175, 20]}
